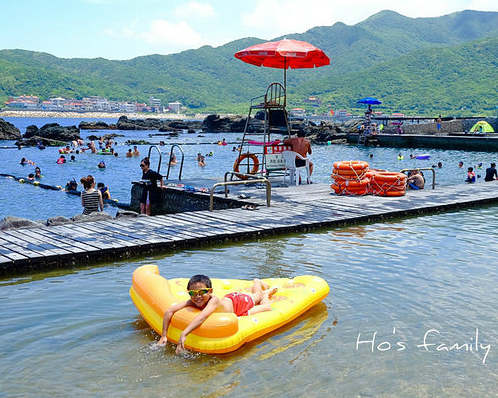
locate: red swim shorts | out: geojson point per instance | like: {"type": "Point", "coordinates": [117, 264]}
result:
{"type": "Point", "coordinates": [242, 303]}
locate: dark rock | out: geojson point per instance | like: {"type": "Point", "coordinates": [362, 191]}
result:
{"type": "Point", "coordinates": [11, 222]}
{"type": "Point", "coordinates": [191, 131]}
{"type": "Point", "coordinates": [217, 123]}
{"type": "Point", "coordinates": [54, 131]}
{"type": "Point", "coordinates": [126, 214]}
{"type": "Point", "coordinates": [58, 220]}
{"type": "Point", "coordinates": [99, 125]}
{"type": "Point", "coordinates": [96, 216]}
{"type": "Point", "coordinates": [8, 131]}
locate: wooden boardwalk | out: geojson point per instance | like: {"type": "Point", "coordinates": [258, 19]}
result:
{"type": "Point", "coordinates": [293, 209]}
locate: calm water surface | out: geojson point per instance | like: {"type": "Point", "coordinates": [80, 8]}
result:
{"type": "Point", "coordinates": [77, 333]}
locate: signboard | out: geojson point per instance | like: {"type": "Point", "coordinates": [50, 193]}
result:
{"type": "Point", "coordinates": [274, 158]}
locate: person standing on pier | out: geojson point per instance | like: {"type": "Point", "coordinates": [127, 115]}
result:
{"type": "Point", "coordinates": [150, 192]}
{"type": "Point", "coordinates": [439, 124]}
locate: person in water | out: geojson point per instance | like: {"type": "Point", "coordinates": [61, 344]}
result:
{"type": "Point", "coordinates": [37, 172]}
{"type": "Point", "coordinates": [104, 191]}
{"type": "Point", "coordinates": [416, 180]}
{"type": "Point", "coordinates": [471, 176]}
{"type": "Point", "coordinates": [491, 173]}
{"type": "Point", "coordinates": [200, 290]}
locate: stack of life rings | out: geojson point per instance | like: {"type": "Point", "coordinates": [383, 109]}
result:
{"type": "Point", "coordinates": [351, 177]}
{"type": "Point", "coordinates": [386, 183]}
{"type": "Point", "coordinates": [354, 177]}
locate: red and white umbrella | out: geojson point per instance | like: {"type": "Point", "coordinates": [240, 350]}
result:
{"type": "Point", "coordinates": [284, 54]}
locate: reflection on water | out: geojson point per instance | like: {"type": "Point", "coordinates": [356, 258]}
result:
{"type": "Point", "coordinates": [391, 284]}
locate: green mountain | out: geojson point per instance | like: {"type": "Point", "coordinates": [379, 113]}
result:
{"type": "Point", "coordinates": [447, 65]}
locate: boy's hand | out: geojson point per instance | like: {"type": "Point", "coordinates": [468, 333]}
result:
{"type": "Point", "coordinates": [162, 341]}
{"type": "Point", "coordinates": [180, 348]}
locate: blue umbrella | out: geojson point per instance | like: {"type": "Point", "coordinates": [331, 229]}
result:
{"type": "Point", "coordinates": [369, 101]}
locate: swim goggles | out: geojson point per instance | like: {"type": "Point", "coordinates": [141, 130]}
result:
{"type": "Point", "coordinates": [200, 292]}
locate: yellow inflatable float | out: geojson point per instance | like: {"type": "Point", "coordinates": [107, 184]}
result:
{"type": "Point", "coordinates": [152, 294]}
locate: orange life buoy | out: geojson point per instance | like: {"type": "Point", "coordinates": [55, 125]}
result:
{"type": "Point", "coordinates": [352, 191]}
{"type": "Point", "coordinates": [388, 183]}
{"type": "Point", "coordinates": [351, 165]}
{"type": "Point", "coordinates": [363, 183]}
{"type": "Point", "coordinates": [239, 160]}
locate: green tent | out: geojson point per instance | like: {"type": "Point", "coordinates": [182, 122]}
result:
{"type": "Point", "coordinates": [482, 127]}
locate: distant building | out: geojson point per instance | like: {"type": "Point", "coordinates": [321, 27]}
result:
{"type": "Point", "coordinates": [24, 102]}
{"type": "Point", "coordinates": [175, 107]}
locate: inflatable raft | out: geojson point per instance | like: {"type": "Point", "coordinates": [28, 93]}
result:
{"type": "Point", "coordinates": [221, 332]}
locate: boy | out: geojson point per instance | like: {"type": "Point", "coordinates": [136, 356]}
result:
{"type": "Point", "coordinates": [200, 290]}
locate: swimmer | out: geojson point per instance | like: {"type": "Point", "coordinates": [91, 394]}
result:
{"type": "Point", "coordinates": [101, 165]}
{"type": "Point", "coordinates": [460, 164]}
{"type": "Point", "coordinates": [136, 152]}
{"type": "Point", "coordinates": [37, 172]}
{"type": "Point", "coordinates": [400, 156]}
{"type": "Point", "coordinates": [61, 160]}
{"type": "Point", "coordinates": [129, 154]}
{"type": "Point", "coordinates": [201, 295]}
{"type": "Point", "coordinates": [202, 161]}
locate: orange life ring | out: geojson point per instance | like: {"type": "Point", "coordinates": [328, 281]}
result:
{"type": "Point", "coordinates": [351, 165]}
{"type": "Point", "coordinates": [239, 160]}
{"type": "Point", "coordinates": [363, 183]}
{"type": "Point", "coordinates": [387, 176]}
{"type": "Point", "coordinates": [388, 183]}
{"type": "Point", "coordinates": [345, 174]}
{"type": "Point", "coordinates": [342, 190]}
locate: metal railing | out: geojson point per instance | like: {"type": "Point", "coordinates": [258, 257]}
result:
{"type": "Point", "coordinates": [424, 168]}
{"type": "Point", "coordinates": [160, 156]}
{"type": "Point", "coordinates": [171, 154]}
{"type": "Point", "coordinates": [251, 179]}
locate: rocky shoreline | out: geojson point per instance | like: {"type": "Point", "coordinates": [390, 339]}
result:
{"type": "Point", "coordinates": [53, 134]}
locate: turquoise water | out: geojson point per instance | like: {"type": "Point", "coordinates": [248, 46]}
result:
{"type": "Point", "coordinates": [36, 203]}
{"type": "Point", "coordinates": [77, 333]}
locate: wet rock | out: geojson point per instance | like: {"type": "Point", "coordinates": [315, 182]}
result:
{"type": "Point", "coordinates": [8, 131]}
{"type": "Point", "coordinates": [11, 222]}
{"type": "Point", "coordinates": [96, 216]}
{"type": "Point", "coordinates": [126, 214]}
{"type": "Point", "coordinates": [57, 220]}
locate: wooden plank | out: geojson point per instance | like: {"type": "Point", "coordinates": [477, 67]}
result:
{"type": "Point", "coordinates": [52, 239]}
{"type": "Point", "coordinates": [44, 248]}
{"type": "Point", "coordinates": [12, 255]}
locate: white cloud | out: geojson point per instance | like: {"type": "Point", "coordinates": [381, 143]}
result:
{"type": "Point", "coordinates": [194, 9]}
{"type": "Point", "coordinates": [272, 18]}
{"type": "Point", "coordinates": [168, 37]}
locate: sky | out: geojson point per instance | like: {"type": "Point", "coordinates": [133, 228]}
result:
{"type": "Point", "coordinates": [125, 29]}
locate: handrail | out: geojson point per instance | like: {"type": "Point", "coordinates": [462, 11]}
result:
{"type": "Point", "coordinates": [171, 158]}
{"type": "Point", "coordinates": [424, 168]}
{"type": "Point", "coordinates": [242, 182]}
{"type": "Point", "coordinates": [160, 156]}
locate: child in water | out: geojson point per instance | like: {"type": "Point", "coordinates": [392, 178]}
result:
{"type": "Point", "coordinates": [201, 296]}
{"type": "Point", "coordinates": [471, 176]}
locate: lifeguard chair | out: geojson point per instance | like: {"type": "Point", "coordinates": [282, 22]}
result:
{"type": "Point", "coordinates": [259, 155]}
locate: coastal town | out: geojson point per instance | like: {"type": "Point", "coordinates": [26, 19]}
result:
{"type": "Point", "coordinates": [90, 104]}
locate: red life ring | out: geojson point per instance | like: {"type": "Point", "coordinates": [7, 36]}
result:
{"type": "Point", "coordinates": [239, 160]}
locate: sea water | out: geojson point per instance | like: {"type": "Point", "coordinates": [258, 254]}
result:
{"type": "Point", "coordinates": [411, 312]}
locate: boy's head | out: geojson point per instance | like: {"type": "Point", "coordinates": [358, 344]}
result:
{"type": "Point", "coordinates": [199, 288]}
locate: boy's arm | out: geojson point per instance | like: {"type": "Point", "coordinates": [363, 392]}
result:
{"type": "Point", "coordinates": [167, 319]}
{"type": "Point", "coordinates": [197, 321]}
